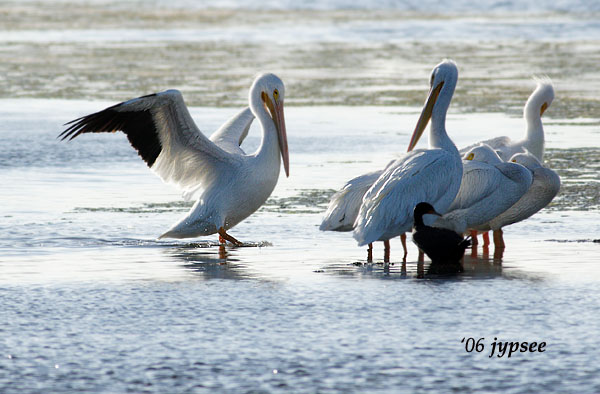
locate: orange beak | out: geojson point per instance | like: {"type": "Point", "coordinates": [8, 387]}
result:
{"type": "Point", "coordinates": [276, 111]}
{"type": "Point", "coordinates": [543, 109]}
{"type": "Point", "coordinates": [282, 134]}
{"type": "Point", "coordinates": [425, 116]}
{"type": "Point", "coordinates": [434, 212]}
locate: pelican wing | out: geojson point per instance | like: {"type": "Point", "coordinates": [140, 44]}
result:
{"type": "Point", "coordinates": [230, 136]}
{"type": "Point", "coordinates": [479, 181]}
{"type": "Point", "coordinates": [161, 129]}
{"type": "Point", "coordinates": [485, 192]}
{"type": "Point", "coordinates": [545, 186]}
{"type": "Point", "coordinates": [344, 205]}
{"type": "Point", "coordinates": [421, 175]}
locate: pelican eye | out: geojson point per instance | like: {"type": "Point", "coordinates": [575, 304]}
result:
{"type": "Point", "coordinates": [514, 160]}
{"type": "Point", "coordinates": [471, 156]}
{"type": "Point", "coordinates": [276, 94]}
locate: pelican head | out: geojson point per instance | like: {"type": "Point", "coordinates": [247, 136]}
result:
{"type": "Point", "coordinates": [540, 99]}
{"type": "Point", "coordinates": [483, 153]}
{"type": "Point", "coordinates": [441, 87]}
{"type": "Point", "coordinates": [526, 159]}
{"type": "Point", "coordinates": [266, 96]}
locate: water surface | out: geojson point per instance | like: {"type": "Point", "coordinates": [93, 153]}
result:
{"type": "Point", "coordinates": [93, 302]}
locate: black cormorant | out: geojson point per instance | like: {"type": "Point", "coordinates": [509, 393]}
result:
{"type": "Point", "coordinates": [442, 246]}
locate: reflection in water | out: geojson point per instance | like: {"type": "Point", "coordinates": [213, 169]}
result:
{"type": "Point", "coordinates": [445, 269]}
{"type": "Point", "coordinates": [485, 252]}
{"type": "Point", "coordinates": [211, 262]}
{"type": "Point", "coordinates": [473, 266]}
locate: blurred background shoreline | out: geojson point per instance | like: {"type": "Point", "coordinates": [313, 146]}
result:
{"type": "Point", "coordinates": [327, 54]}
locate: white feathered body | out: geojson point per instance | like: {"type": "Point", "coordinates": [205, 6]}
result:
{"type": "Point", "coordinates": [225, 200]}
{"type": "Point", "coordinates": [545, 186]}
{"type": "Point", "coordinates": [486, 191]}
{"type": "Point", "coordinates": [344, 205]}
{"type": "Point", "coordinates": [504, 146]}
{"type": "Point", "coordinates": [430, 175]}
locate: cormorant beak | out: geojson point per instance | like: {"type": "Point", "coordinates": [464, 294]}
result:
{"type": "Point", "coordinates": [543, 109]}
{"type": "Point", "coordinates": [433, 212]}
{"type": "Point", "coordinates": [276, 111]}
{"type": "Point", "coordinates": [425, 115]}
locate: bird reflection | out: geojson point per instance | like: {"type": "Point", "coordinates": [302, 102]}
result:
{"type": "Point", "coordinates": [472, 266]}
{"type": "Point", "coordinates": [209, 260]}
{"type": "Point", "coordinates": [485, 252]}
{"type": "Point", "coordinates": [222, 252]}
{"type": "Point", "coordinates": [445, 268]}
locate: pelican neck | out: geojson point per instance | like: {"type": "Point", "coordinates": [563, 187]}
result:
{"type": "Point", "coordinates": [438, 137]}
{"type": "Point", "coordinates": [269, 145]}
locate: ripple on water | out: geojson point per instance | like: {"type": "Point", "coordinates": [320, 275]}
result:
{"type": "Point", "coordinates": [579, 170]}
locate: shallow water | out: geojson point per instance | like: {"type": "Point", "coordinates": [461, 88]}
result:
{"type": "Point", "coordinates": [93, 302]}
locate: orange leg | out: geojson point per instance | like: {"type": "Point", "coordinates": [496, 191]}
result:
{"type": "Point", "coordinates": [223, 236]}
{"type": "Point", "coordinates": [474, 251]}
{"type": "Point", "coordinates": [222, 252]}
{"type": "Point", "coordinates": [498, 239]}
{"type": "Point", "coordinates": [474, 241]}
{"type": "Point", "coordinates": [421, 256]}
{"type": "Point", "coordinates": [386, 251]}
{"type": "Point", "coordinates": [403, 240]}
{"type": "Point", "coordinates": [498, 254]}
{"type": "Point", "coordinates": [486, 239]}
{"type": "Point", "coordinates": [370, 253]}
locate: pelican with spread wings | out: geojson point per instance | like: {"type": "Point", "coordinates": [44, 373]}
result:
{"type": "Point", "coordinates": [229, 184]}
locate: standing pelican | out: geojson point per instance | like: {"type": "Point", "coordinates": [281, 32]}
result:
{"type": "Point", "coordinates": [489, 187]}
{"type": "Point", "coordinates": [533, 141]}
{"type": "Point", "coordinates": [344, 205]}
{"type": "Point", "coordinates": [545, 186]}
{"type": "Point", "coordinates": [431, 175]}
{"type": "Point", "coordinates": [229, 184]}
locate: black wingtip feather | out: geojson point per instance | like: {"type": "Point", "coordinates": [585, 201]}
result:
{"type": "Point", "coordinates": [139, 127]}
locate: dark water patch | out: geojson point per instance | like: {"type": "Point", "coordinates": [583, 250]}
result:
{"type": "Point", "coordinates": [579, 170]}
{"type": "Point", "coordinates": [171, 206]}
{"type": "Point", "coordinates": [306, 201]}
{"type": "Point", "coordinates": [596, 241]}
{"type": "Point", "coordinates": [181, 245]}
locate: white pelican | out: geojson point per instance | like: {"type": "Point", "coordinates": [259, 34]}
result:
{"type": "Point", "coordinates": [431, 175]}
{"type": "Point", "coordinates": [533, 141]}
{"type": "Point", "coordinates": [344, 205]}
{"type": "Point", "coordinates": [545, 186]}
{"type": "Point", "coordinates": [489, 187]}
{"type": "Point", "coordinates": [229, 184]}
